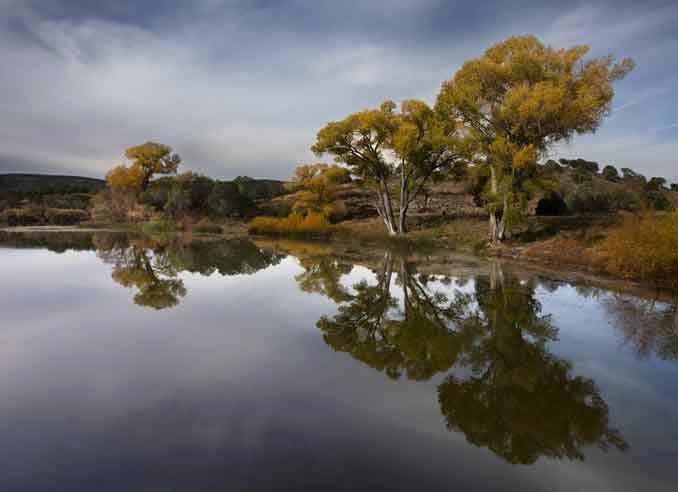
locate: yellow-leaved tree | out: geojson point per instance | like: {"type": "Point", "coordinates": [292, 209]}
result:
{"type": "Point", "coordinates": [517, 100]}
{"type": "Point", "coordinates": [148, 159]}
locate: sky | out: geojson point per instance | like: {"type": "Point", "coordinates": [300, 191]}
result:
{"type": "Point", "coordinates": [242, 87]}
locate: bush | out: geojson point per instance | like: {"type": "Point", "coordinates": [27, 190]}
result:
{"type": "Point", "coordinates": [207, 227]}
{"type": "Point", "coordinates": [23, 216]}
{"type": "Point", "coordinates": [643, 248]}
{"type": "Point", "coordinates": [588, 200]}
{"type": "Point", "coordinates": [313, 224]}
{"type": "Point", "coordinates": [551, 204]}
{"type": "Point", "coordinates": [226, 200]}
{"type": "Point", "coordinates": [58, 216]}
{"type": "Point", "coordinates": [610, 173]}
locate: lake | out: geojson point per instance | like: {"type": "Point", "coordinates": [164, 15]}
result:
{"type": "Point", "coordinates": [140, 365]}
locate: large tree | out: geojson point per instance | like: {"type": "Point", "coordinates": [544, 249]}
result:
{"type": "Point", "coordinates": [380, 145]}
{"type": "Point", "coordinates": [519, 99]}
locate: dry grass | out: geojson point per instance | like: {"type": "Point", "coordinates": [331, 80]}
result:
{"type": "Point", "coordinates": [643, 248]}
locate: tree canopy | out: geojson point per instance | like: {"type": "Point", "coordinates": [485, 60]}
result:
{"type": "Point", "coordinates": [517, 100]}
{"type": "Point", "coordinates": [378, 145]}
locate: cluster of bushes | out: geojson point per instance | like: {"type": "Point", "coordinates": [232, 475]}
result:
{"type": "Point", "coordinates": [42, 216]}
{"type": "Point", "coordinates": [643, 248]}
{"type": "Point", "coordinates": [311, 224]}
{"type": "Point", "coordinates": [185, 195]}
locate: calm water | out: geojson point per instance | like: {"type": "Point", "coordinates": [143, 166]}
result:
{"type": "Point", "coordinates": [143, 366]}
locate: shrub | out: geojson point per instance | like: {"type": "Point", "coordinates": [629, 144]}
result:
{"type": "Point", "coordinates": [588, 200]}
{"type": "Point", "coordinates": [610, 173]}
{"type": "Point", "coordinates": [225, 199]}
{"type": "Point", "coordinates": [23, 216]}
{"type": "Point", "coordinates": [59, 216]}
{"type": "Point", "coordinates": [621, 199]}
{"type": "Point", "coordinates": [313, 224]}
{"type": "Point", "coordinates": [551, 204]}
{"type": "Point", "coordinates": [643, 248]}
{"type": "Point", "coordinates": [208, 227]}
{"type": "Point", "coordinates": [658, 201]}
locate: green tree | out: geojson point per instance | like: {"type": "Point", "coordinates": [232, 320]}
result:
{"type": "Point", "coordinates": [610, 173]}
{"type": "Point", "coordinates": [519, 99]}
{"type": "Point", "coordinates": [380, 145]}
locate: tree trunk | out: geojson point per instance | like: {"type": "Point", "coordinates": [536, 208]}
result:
{"type": "Point", "coordinates": [404, 198]}
{"type": "Point", "coordinates": [497, 218]}
{"type": "Point", "coordinates": [385, 209]}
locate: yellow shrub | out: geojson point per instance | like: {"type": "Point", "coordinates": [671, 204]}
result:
{"type": "Point", "coordinates": [294, 224]}
{"type": "Point", "coordinates": [643, 248]}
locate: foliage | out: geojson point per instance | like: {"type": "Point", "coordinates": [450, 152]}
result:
{"type": "Point", "coordinates": [656, 184]}
{"type": "Point", "coordinates": [590, 167]}
{"type": "Point", "coordinates": [587, 199]}
{"type": "Point", "coordinates": [35, 215]}
{"type": "Point", "coordinates": [312, 224]}
{"type": "Point", "coordinates": [258, 189]}
{"type": "Point", "coordinates": [551, 204]}
{"type": "Point", "coordinates": [516, 101]}
{"type": "Point", "coordinates": [379, 144]}
{"type": "Point", "coordinates": [610, 173]}
{"type": "Point", "coordinates": [151, 158]}
{"type": "Point", "coordinates": [644, 248]}
{"type": "Point", "coordinates": [316, 186]}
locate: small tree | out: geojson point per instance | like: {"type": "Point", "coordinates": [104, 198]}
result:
{"type": "Point", "coordinates": [379, 145]}
{"type": "Point", "coordinates": [316, 185]}
{"type": "Point", "coordinates": [152, 158]}
{"type": "Point", "coordinates": [610, 173]}
{"type": "Point", "coordinates": [656, 184]}
{"type": "Point", "coordinates": [519, 99]}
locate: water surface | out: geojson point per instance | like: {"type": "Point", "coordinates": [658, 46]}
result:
{"type": "Point", "coordinates": [136, 364]}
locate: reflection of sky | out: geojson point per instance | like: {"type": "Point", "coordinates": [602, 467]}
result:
{"type": "Point", "coordinates": [235, 389]}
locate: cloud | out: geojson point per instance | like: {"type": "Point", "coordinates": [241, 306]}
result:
{"type": "Point", "coordinates": [242, 87]}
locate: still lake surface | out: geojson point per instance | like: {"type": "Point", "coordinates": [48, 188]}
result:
{"type": "Point", "coordinates": [138, 365]}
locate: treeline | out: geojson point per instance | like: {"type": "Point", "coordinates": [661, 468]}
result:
{"type": "Point", "coordinates": [578, 186]}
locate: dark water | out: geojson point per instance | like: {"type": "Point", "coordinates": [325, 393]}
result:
{"type": "Point", "coordinates": [143, 365]}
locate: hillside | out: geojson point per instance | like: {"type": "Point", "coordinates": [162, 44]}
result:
{"type": "Point", "coordinates": [47, 183]}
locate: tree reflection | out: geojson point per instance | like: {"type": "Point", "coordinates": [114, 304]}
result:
{"type": "Point", "coordinates": [414, 340]}
{"type": "Point", "coordinates": [518, 399]}
{"type": "Point", "coordinates": [504, 390]}
{"type": "Point", "coordinates": [651, 327]}
{"type": "Point", "coordinates": [153, 267]}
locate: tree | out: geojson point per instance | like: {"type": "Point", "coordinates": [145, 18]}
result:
{"type": "Point", "coordinates": [316, 185]}
{"type": "Point", "coordinates": [519, 99]}
{"type": "Point", "coordinates": [151, 158]}
{"type": "Point", "coordinates": [379, 145]}
{"type": "Point", "coordinates": [630, 175]}
{"type": "Point", "coordinates": [610, 173]}
{"type": "Point", "coordinates": [656, 184]}
{"type": "Point", "coordinates": [124, 178]}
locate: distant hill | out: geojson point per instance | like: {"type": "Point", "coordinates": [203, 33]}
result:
{"type": "Point", "coordinates": [48, 183]}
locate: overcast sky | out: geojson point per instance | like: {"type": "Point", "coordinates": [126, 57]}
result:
{"type": "Point", "coordinates": [240, 88]}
